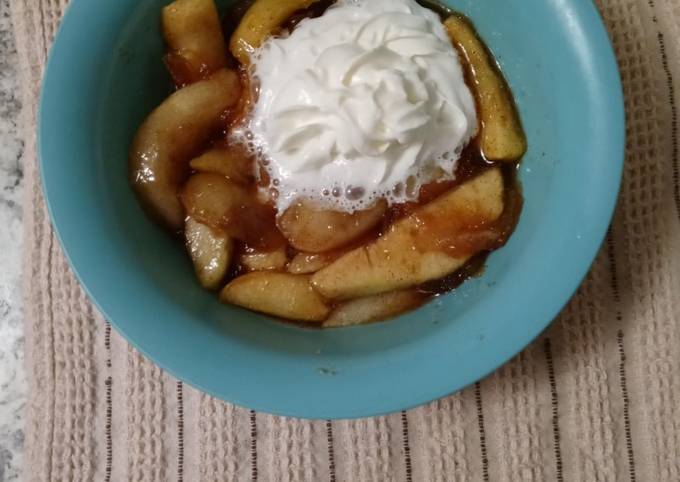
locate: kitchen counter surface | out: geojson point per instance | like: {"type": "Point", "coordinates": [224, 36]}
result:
{"type": "Point", "coordinates": [12, 376]}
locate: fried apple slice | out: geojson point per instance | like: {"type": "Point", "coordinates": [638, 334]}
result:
{"type": "Point", "coordinates": [265, 260]}
{"type": "Point", "coordinates": [373, 308]}
{"type": "Point", "coordinates": [259, 22]}
{"type": "Point", "coordinates": [431, 243]}
{"type": "Point", "coordinates": [315, 230]}
{"type": "Point", "coordinates": [170, 136]}
{"type": "Point", "coordinates": [214, 200]}
{"type": "Point", "coordinates": [231, 162]}
{"type": "Point", "coordinates": [502, 137]}
{"type": "Point", "coordinates": [194, 36]}
{"type": "Point", "coordinates": [210, 252]}
{"type": "Point", "coordinates": [279, 294]}
{"type": "Point", "coordinates": [307, 263]}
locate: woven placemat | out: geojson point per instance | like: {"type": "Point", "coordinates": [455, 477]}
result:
{"type": "Point", "coordinates": [595, 398]}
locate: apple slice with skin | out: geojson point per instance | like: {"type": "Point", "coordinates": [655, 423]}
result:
{"type": "Point", "coordinates": [210, 252]}
{"type": "Point", "coordinates": [373, 308]}
{"type": "Point", "coordinates": [285, 295]}
{"type": "Point", "coordinates": [231, 162]}
{"type": "Point", "coordinates": [260, 21]}
{"type": "Point", "coordinates": [307, 263]}
{"type": "Point", "coordinates": [316, 230]}
{"type": "Point", "coordinates": [502, 137]}
{"type": "Point", "coordinates": [433, 242]}
{"type": "Point", "coordinates": [170, 137]}
{"type": "Point", "coordinates": [264, 260]}
{"type": "Point", "coordinates": [192, 30]}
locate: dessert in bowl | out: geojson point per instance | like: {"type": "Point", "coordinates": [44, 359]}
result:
{"type": "Point", "coordinates": [106, 75]}
{"type": "Point", "coordinates": [340, 163]}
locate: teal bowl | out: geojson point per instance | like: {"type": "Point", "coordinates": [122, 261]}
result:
{"type": "Point", "coordinates": [105, 75]}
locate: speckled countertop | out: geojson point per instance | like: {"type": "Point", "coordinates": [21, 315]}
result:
{"type": "Point", "coordinates": [12, 377]}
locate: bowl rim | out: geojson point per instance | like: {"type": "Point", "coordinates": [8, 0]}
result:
{"type": "Point", "coordinates": [607, 206]}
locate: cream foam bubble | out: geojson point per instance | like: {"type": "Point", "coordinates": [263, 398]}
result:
{"type": "Point", "coordinates": [367, 101]}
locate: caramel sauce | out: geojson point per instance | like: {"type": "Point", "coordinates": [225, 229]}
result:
{"type": "Point", "coordinates": [182, 72]}
{"type": "Point", "coordinates": [315, 10]}
{"type": "Point", "coordinates": [248, 96]}
{"type": "Point", "coordinates": [255, 224]}
{"type": "Point", "coordinates": [179, 70]}
{"type": "Point", "coordinates": [442, 10]}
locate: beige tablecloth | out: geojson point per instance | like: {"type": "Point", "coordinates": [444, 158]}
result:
{"type": "Point", "coordinates": [596, 398]}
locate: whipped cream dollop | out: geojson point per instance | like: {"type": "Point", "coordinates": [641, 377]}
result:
{"type": "Point", "coordinates": [366, 101]}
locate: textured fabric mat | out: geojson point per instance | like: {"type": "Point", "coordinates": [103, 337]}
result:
{"type": "Point", "coordinates": [595, 398]}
